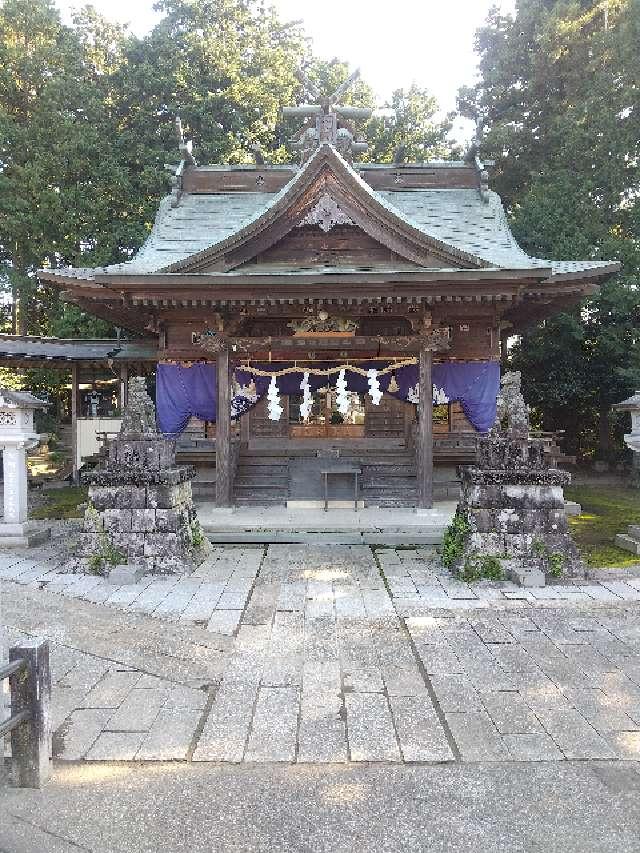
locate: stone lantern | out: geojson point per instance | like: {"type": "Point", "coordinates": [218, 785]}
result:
{"type": "Point", "coordinates": [17, 436]}
{"type": "Point", "coordinates": [632, 439]}
{"type": "Point", "coordinates": [630, 541]}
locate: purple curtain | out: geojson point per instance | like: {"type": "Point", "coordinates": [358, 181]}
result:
{"type": "Point", "coordinates": [183, 392]}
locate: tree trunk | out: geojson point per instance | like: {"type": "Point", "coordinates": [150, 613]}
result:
{"type": "Point", "coordinates": [604, 433]}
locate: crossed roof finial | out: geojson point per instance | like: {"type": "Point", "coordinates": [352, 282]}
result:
{"type": "Point", "coordinates": [331, 120]}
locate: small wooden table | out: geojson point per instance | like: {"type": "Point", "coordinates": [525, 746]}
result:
{"type": "Point", "coordinates": [336, 470]}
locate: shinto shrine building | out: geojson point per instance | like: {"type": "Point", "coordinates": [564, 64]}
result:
{"type": "Point", "coordinates": [296, 312]}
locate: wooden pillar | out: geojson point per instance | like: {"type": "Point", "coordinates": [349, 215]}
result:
{"type": "Point", "coordinates": [505, 334]}
{"type": "Point", "coordinates": [424, 438]}
{"type": "Point", "coordinates": [74, 423]}
{"type": "Point", "coordinates": [223, 431]}
{"type": "Point", "coordinates": [408, 425]}
{"type": "Point", "coordinates": [124, 386]}
{"type": "Point", "coordinates": [31, 693]}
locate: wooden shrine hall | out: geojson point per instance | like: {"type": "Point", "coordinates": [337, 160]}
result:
{"type": "Point", "coordinates": [305, 313]}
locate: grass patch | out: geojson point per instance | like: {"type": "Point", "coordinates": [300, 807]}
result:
{"type": "Point", "coordinates": [61, 503]}
{"type": "Point", "coordinates": [606, 510]}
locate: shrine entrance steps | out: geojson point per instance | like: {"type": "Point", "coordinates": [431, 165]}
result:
{"type": "Point", "coordinates": [369, 526]}
{"type": "Point", "coordinates": [290, 475]}
{"type": "Point", "coordinates": [268, 477]}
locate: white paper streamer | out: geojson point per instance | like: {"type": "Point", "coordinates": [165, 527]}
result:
{"type": "Point", "coordinates": [307, 399]}
{"type": "Point", "coordinates": [374, 386]}
{"type": "Point", "coordinates": [273, 401]}
{"type": "Point", "coordinates": [343, 401]}
{"type": "Point", "coordinates": [439, 397]}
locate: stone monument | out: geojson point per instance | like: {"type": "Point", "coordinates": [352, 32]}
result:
{"type": "Point", "coordinates": [512, 502]}
{"type": "Point", "coordinates": [140, 508]}
{"type": "Point", "coordinates": [17, 436]}
{"type": "Point", "coordinates": [630, 541]}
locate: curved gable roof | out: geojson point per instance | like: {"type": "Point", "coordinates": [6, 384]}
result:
{"type": "Point", "coordinates": [326, 172]}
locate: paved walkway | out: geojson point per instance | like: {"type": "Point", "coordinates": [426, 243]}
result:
{"type": "Point", "coordinates": [325, 654]}
{"type": "Point", "coordinates": [573, 807]}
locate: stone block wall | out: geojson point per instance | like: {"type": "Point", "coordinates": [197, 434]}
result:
{"type": "Point", "coordinates": [140, 504]}
{"type": "Point", "coordinates": [513, 503]}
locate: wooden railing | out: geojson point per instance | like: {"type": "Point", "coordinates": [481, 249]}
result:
{"type": "Point", "coordinates": [28, 725]}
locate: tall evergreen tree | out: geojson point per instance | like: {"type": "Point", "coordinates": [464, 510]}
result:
{"type": "Point", "coordinates": [558, 108]}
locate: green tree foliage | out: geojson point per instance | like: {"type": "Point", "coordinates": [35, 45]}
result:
{"type": "Point", "coordinates": [558, 107]}
{"type": "Point", "coordinates": [414, 124]}
{"type": "Point", "coordinates": [227, 67]}
{"type": "Point", "coordinates": [64, 194]}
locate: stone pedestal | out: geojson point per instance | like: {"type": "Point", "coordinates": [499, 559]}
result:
{"type": "Point", "coordinates": [140, 506]}
{"type": "Point", "coordinates": [513, 504]}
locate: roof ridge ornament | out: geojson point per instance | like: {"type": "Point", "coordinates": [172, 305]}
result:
{"type": "Point", "coordinates": [184, 146]}
{"type": "Point", "coordinates": [473, 156]}
{"type": "Point", "coordinates": [328, 121]}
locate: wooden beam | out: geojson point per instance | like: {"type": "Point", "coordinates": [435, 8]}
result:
{"type": "Point", "coordinates": [294, 344]}
{"type": "Point", "coordinates": [223, 431]}
{"type": "Point", "coordinates": [74, 424]}
{"type": "Point", "coordinates": [424, 443]}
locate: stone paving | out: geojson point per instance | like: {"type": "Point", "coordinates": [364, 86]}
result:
{"type": "Point", "coordinates": [214, 595]}
{"type": "Point", "coordinates": [341, 653]}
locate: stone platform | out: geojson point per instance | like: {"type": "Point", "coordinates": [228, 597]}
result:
{"type": "Point", "coordinates": [337, 526]}
{"type": "Point", "coordinates": [26, 534]}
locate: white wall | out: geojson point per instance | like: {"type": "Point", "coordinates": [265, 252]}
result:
{"type": "Point", "coordinates": [87, 435]}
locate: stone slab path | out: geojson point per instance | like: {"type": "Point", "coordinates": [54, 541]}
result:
{"type": "Point", "coordinates": [332, 654]}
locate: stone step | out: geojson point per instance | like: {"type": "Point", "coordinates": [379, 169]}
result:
{"type": "Point", "coordinates": [261, 487]}
{"type": "Point", "coordinates": [267, 482]}
{"type": "Point", "coordinates": [246, 500]}
{"type": "Point", "coordinates": [628, 543]}
{"type": "Point", "coordinates": [389, 489]}
{"type": "Point", "coordinates": [262, 471]}
{"type": "Point", "coordinates": [389, 471]}
{"type": "Point", "coordinates": [390, 503]}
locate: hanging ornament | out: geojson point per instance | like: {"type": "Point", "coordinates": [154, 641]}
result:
{"type": "Point", "coordinates": [375, 391]}
{"type": "Point", "coordinates": [393, 385]}
{"type": "Point", "coordinates": [343, 400]}
{"type": "Point", "coordinates": [439, 397]}
{"type": "Point", "coordinates": [273, 401]}
{"type": "Point", "coordinates": [307, 399]}
{"type": "Point", "coordinates": [413, 394]}
{"type": "Point", "coordinates": [252, 391]}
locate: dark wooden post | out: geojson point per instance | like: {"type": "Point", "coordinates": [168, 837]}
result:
{"type": "Point", "coordinates": [74, 424]}
{"type": "Point", "coordinates": [223, 431]}
{"type": "Point", "coordinates": [505, 334]}
{"type": "Point", "coordinates": [31, 692]}
{"type": "Point", "coordinates": [424, 442]}
{"type": "Point", "coordinates": [124, 386]}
